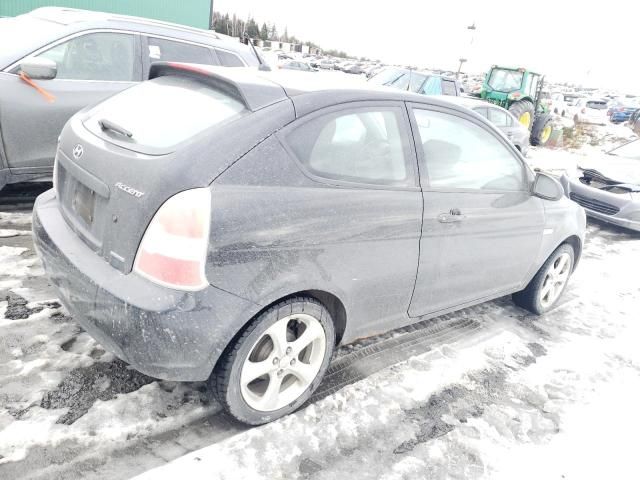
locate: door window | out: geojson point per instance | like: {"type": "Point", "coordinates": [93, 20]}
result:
{"type": "Point", "coordinates": [498, 117]}
{"type": "Point", "coordinates": [229, 59]}
{"type": "Point", "coordinates": [95, 56]}
{"type": "Point", "coordinates": [162, 50]}
{"type": "Point", "coordinates": [361, 145]}
{"type": "Point", "coordinates": [449, 88]}
{"type": "Point", "coordinates": [482, 111]}
{"type": "Point", "coordinates": [461, 154]}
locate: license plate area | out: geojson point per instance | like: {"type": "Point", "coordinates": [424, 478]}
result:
{"type": "Point", "coordinates": [83, 203]}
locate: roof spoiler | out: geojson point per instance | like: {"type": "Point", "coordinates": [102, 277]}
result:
{"type": "Point", "coordinates": [244, 84]}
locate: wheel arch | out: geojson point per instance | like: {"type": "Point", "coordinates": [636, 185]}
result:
{"type": "Point", "coordinates": [574, 242]}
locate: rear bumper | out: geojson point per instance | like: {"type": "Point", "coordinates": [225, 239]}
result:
{"type": "Point", "coordinates": [620, 117]}
{"type": "Point", "coordinates": [161, 332]}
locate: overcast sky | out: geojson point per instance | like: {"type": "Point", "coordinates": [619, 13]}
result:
{"type": "Point", "coordinates": [566, 39]}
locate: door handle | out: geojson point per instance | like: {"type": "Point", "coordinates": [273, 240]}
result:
{"type": "Point", "coordinates": [453, 216]}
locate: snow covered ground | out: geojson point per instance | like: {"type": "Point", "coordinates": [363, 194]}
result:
{"type": "Point", "coordinates": [487, 392]}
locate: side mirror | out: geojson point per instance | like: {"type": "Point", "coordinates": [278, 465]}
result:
{"type": "Point", "coordinates": [39, 68]}
{"type": "Point", "coordinates": [547, 187]}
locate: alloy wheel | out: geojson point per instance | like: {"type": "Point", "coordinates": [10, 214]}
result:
{"type": "Point", "coordinates": [555, 280]}
{"type": "Point", "coordinates": [283, 362]}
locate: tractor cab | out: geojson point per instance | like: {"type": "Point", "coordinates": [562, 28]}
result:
{"type": "Point", "coordinates": [518, 90]}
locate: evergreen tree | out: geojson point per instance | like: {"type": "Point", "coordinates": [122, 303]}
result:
{"type": "Point", "coordinates": [264, 32]}
{"type": "Point", "coordinates": [252, 28]}
{"type": "Point", "coordinates": [274, 33]}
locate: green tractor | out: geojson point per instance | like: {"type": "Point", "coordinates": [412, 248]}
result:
{"type": "Point", "coordinates": [518, 90]}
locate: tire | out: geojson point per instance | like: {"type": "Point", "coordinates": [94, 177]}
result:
{"type": "Point", "coordinates": [518, 109]}
{"type": "Point", "coordinates": [539, 134]}
{"type": "Point", "coordinates": [251, 402]}
{"type": "Point", "coordinates": [532, 298]}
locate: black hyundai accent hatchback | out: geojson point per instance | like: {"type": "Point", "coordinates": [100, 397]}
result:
{"type": "Point", "coordinates": [235, 225]}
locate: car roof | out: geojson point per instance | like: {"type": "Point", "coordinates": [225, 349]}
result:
{"type": "Point", "coordinates": [258, 89]}
{"type": "Point", "coordinates": [77, 20]}
{"type": "Point", "coordinates": [70, 16]}
{"type": "Point", "coordinates": [472, 102]}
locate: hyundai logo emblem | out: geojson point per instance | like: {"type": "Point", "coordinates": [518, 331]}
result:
{"type": "Point", "coordinates": [78, 150]}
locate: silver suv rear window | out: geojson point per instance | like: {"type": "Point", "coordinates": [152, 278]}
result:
{"type": "Point", "coordinates": [161, 113]}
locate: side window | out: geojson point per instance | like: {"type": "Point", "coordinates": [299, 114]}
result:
{"type": "Point", "coordinates": [229, 59]}
{"type": "Point", "coordinates": [362, 145]}
{"type": "Point", "coordinates": [449, 88]}
{"type": "Point", "coordinates": [96, 56]}
{"type": "Point", "coordinates": [433, 86]}
{"type": "Point", "coordinates": [417, 80]}
{"type": "Point", "coordinates": [162, 50]}
{"type": "Point", "coordinates": [461, 154]}
{"type": "Point", "coordinates": [482, 111]}
{"type": "Point", "coordinates": [498, 117]}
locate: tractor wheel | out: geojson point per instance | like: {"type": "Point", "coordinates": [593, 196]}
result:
{"type": "Point", "coordinates": [524, 111]}
{"type": "Point", "coordinates": [541, 131]}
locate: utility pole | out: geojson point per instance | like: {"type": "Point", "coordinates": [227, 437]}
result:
{"type": "Point", "coordinates": [462, 60]}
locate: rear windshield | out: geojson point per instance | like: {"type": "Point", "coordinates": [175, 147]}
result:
{"type": "Point", "coordinates": [596, 104]}
{"type": "Point", "coordinates": [155, 116]}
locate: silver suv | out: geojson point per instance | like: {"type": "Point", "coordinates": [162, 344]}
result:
{"type": "Point", "coordinates": [74, 58]}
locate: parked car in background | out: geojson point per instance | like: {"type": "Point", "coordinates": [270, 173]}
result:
{"type": "Point", "coordinates": [634, 122]}
{"type": "Point", "coordinates": [425, 83]}
{"type": "Point", "coordinates": [609, 190]}
{"type": "Point", "coordinates": [590, 110]}
{"type": "Point", "coordinates": [555, 103]}
{"type": "Point", "coordinates": [355, 68]}
{"type": "Point", "coordinates": [297, 65]}
{"type": "Point", "coordinates": [517, 133]}
{"type": "Point", "coordinates": [248, 267]}
{"type": "Point", "coordinates": [326, 64]}
{"type": "Point", "coordinates": [570, 99]}
{"type": "Point", "coordinates": [79, 58]}
{"type": "Point", "coordinates": [622, 111]}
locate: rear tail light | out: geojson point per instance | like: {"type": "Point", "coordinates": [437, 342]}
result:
{"type": "Point", "coordinates": [173, 250]}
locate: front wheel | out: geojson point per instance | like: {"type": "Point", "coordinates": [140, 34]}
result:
{"type": "Point", "coordinates": [547, 286]}
{"type": "Point", "coordinates": [274, 366]}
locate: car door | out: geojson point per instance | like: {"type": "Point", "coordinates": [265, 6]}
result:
{"type": "Point", "coordinates": [481, 226]}
{"type": "Point", "coordinates": [91, 67]}
{"type": "Point", "coordinates": [362, 164]}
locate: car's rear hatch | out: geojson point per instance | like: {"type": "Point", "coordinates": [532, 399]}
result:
{"type": "Point", "coordinates": [118, 162]}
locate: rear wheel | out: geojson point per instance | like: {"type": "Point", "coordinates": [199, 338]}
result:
{"type": "Point", "coordinates": [524, 112]}
{"type": "Point", "coordinates": [542, 129]}
{"type": "Point", "coordinates": [547, 286]}
{"type": "Point", "coordinates": [276, 363]}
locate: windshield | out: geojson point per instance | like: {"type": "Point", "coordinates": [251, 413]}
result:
{"type": "Point", "coordinates": [20, 36]}
{"type": "Point", "coordinates": [505, 80]}
{"type": "Point", "coordinates": [161, 113]}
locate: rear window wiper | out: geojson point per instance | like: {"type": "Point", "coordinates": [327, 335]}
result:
{"type": "Point", "coordinates": [114, 127]}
